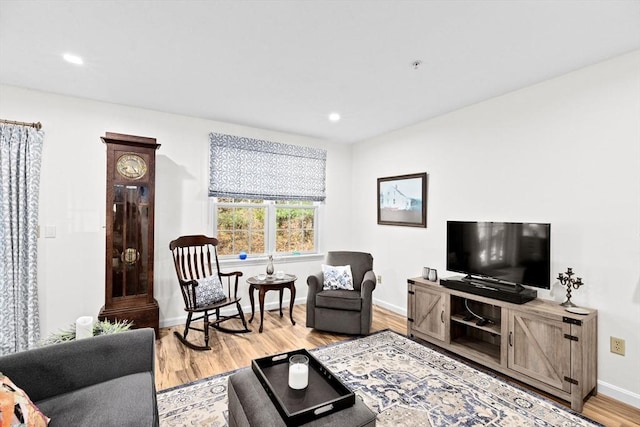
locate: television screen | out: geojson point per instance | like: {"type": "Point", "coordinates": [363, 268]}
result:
{"type": "Point", "coordinates": [508, 251]}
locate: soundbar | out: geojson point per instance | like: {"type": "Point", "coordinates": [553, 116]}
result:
{"type": "Point", "coordinates": [516, 295]}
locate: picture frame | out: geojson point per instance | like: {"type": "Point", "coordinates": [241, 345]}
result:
{"type": "Point", "coordinates": [402, 200]}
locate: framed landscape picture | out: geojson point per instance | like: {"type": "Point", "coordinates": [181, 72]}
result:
{"type": "Point", "coordinates": [402, 200]}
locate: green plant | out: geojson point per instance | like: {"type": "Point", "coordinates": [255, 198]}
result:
{"type": "Point", "coordinates": [101, 327]}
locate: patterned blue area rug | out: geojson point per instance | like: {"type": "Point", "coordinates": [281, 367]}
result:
{"type": "Point", "coordinates": [406, 383]}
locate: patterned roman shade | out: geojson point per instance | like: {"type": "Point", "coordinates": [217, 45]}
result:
{"type": "Point", "coordinates": [247, 168]}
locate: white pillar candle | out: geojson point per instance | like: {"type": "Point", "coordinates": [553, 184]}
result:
{"type": "Point", "coordinates": [298, 372]}
{"type": "Point", "coordinates": [84, 327]}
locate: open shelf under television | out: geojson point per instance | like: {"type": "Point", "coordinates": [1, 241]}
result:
{"type": "Point", "coordinates": [465, 331]}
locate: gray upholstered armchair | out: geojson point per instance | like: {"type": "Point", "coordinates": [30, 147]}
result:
{"type": "Point", "coordinates": [343, 311]}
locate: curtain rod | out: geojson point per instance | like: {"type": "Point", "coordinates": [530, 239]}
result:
{"type": "Point", "coordinates": [37, 125]}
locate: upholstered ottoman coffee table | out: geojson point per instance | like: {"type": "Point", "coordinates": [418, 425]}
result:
{"type": "Point", "coordinates": [249, 406]}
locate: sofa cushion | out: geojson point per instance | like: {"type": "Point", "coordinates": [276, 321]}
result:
{"type": "Point", "coordinates": [337, 277]}
{"type": "Point", "coordinates": [339, 300]}
{"type": "Point", "coordinates": [124, 401]}
{"type": "Point", "coordinates": [16, 409]}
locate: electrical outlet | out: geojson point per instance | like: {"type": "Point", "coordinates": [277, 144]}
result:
{"type": "Point", "coordinates": [379, 280]}
{"type": "Point", "coordinates": [617, 346]}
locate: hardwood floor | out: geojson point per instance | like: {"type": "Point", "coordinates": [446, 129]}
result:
{"type": "Point", "coordinates": [177, 364]}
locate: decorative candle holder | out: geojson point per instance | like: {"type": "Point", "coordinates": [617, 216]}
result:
{"type": "Point", "coordinates": [84, 327]}
{"type": "Point", "coordinates": [569, 282]}
{"type": "Point", "coordinates": [298, 371]}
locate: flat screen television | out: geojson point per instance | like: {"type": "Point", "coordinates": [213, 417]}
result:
{"type": "Point", "coordinates": [512, 252]}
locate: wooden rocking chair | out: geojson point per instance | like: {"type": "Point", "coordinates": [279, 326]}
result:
{"type": "Point", "coordinates": [193, 258]}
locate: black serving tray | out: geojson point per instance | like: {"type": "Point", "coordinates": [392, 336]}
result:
{"type": "Point", "coordinates": [324, 395]}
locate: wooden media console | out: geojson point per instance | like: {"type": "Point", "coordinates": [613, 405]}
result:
{"type": "Point", "coordinates": [538, 343]}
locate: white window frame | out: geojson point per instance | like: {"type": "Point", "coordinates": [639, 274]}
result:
{"type": "Point", "coordinates": [270, 227]}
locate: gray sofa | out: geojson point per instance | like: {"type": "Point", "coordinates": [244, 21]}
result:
{"type": "Point", "coordinates": [343, 311]}
{"type": "Point", "coordinates": [102, 381]}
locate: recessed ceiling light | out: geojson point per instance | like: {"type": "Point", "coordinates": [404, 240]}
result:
{"type": "Point", "coordinates": [334, 117]}
{"type": "Point", "coordinates": [74, 59]}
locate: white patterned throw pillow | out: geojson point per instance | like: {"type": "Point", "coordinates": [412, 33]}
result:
{"type": "Point", "coordinates": [337, 277]}
{"type": "Point", "coordinates": [208, 291]}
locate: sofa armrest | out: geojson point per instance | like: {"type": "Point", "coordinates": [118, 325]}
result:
{"type": "Point", "coordinates": [60, 368]}
{"type": "Point", "coordinates": [314, 283]}
{"type": "Point", "coordinates": [368, 285]}
{"type": "Point", "coordinates": [366, 293]}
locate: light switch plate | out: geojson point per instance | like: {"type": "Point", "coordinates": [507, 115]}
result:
{"type": "Point", "coordinates": [50, 231]}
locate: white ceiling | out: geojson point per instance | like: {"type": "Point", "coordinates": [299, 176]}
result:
{"type": "Point", "coordinates": [285, 65]}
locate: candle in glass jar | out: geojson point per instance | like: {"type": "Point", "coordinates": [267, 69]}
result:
{"type": "Point", "coordinates": [298, 371]}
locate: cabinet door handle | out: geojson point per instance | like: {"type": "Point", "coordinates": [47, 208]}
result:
{"type": "Point", "coordinates": [510, 338]}
{"type": "Point", "coordinates": [442, 316]}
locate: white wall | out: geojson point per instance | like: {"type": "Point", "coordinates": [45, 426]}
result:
{"type": "Point", "coordinates": [566, 151]}
{"type": "Point", "coordinates": [72, 198]}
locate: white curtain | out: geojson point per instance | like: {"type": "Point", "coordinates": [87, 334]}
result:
{"type": "Point", "coordinates": [20, 159]}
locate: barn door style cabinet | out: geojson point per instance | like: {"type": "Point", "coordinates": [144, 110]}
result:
{"type": "Point", "coordinates": [427, 312]}
{"type": "Point", "coordinates": [538, 343]}
{"type": "Point", "coordinates": [129, 231]}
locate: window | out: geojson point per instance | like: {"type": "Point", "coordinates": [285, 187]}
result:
{"type": "Point", "coordinates": [266, 195]}
{"type": "Point", "coordinates": [260, 227]}
{"type": "Point", "coordinates": [240, 226]}
{"type": "Point", "coordinates": [295, 227]}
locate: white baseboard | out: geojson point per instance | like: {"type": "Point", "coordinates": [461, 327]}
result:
{"type": "Point", "coordinates": [401, 311]}
{"type": "Point", "coordinates": [619, 394]}
{"type": "Point", "coordinates": [173, 321]}
{"type": "Point", "coordinates": [181, 320]}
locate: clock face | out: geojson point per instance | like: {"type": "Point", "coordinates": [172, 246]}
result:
{"type": "Point", "coordinates": [131, 166]}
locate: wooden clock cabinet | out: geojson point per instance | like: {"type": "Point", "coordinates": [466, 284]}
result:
{"type": "Point", "coordinates": [129, 251]}
{"type": "Point", "coordinates": [538, 343]}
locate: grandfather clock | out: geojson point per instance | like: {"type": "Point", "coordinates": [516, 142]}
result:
{"type": "Point", "coordinates": [129, 224]}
